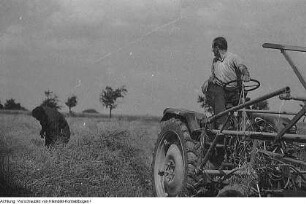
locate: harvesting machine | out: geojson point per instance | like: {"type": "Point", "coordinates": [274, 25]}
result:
{"type": "Point", "coordinates": [255, 153]}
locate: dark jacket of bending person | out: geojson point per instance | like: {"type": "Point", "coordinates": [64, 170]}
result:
{"type": "Point", "coordinates": [55, 128]}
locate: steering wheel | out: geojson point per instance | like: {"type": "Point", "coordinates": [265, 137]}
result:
{"type": "Point", "coordinates": [250, 85]}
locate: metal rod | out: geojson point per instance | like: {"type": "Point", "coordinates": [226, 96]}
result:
{"type": "Point", "coordinates": [263, 135]}
{"type": "Point", "coordinates": [216, 172]}
{"type": "Point", "coordinates": [281, 157]}
{"type": "Point", "coordinates": [295, 69]}
{"type": "Point", "coordinates": [302, 172]}
{"type": "Point", "coordinates": [224, 172]}
{"type": "Point", "coordinates": [214, 143]}
{"type": "Point", "coordinates": [244, 115]}
{"type": "Point", "coordinates": [294, 120]}
{"type": "Point", "coordinates": [265, 97]}
{"type": "Point", "coordinates": [212, 146]}
{"type": "Point", "coordinates": [297, 98]}
{"type": "Point", "coordinates": [284, 47]}
{"type": "Point", "coordinates": [268, 112]}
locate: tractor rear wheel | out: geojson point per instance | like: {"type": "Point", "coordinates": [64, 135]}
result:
{"type": "Point", "coordinates": [175, 159]}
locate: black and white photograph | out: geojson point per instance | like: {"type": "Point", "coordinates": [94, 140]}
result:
{"type": "Point", "coordinates": [105, 99]}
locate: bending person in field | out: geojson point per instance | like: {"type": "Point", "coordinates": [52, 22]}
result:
{"type": "Point", "coordinates": [226, 67]}
{"type": "Point", "coordinates": [55, 129]}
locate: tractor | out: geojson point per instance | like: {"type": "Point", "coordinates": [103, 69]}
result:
{"type": "Point", "coordinates": [256, 153]}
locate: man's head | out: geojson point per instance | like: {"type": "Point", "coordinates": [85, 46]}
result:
{"type": "Point", "coordinates": [218, 44]}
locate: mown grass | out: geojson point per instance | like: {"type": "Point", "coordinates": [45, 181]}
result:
{"type": "Point", "coordinates": [104, 158]}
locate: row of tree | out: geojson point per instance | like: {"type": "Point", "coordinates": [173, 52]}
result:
{"type": "Point", "coordinates": [108, 98]}
{"type": "Point", "coordinates": [52, 101]}
{"type": "Point", "coordinates": [10, 104]}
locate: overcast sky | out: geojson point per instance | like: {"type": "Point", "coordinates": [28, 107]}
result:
{"type": "Point", "coordinates": [159, 49]}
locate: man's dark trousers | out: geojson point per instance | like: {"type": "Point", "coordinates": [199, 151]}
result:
{"type": "Point", "coordinates": [216, 99]}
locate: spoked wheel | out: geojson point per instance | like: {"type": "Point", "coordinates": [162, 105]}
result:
{"type": "Point", "coordinates": [248, 86]}
{"type": "Point", "coordinates": [172, 171]}
{"type": "Point", "coordinates": [174, 161]}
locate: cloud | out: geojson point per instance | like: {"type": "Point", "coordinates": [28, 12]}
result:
{"type": "Point", "coordinates": [12, 38]}
{"type": "Point", "coordinates": [67, 44]}
{"type": "Point", "coordinates": [58, 24]}
{"type": "Point", "coordinates": [77, 12]}
{"type": "Point", "coordinates": [63, 37]}
{"type": "Point", "coordinates": [115, 12]}
{"type": "Point", "coordinates": [212, 12]}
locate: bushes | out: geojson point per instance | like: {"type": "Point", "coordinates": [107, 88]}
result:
{"type": "Point", "coordinates": [90, 111]}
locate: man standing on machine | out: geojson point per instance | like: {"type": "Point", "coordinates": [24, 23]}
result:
{"type": "Point", "coordinates": [226, 67]}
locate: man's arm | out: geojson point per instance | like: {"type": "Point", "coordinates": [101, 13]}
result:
{"type": "Point", "coordinates": [212, 76]}
{"type": "Point", "coordinates": [209, 80]}
{"type": "Point", "coordinates": [238, 63]}
{"type": "Point", "coordinates": [43, 129]}
{"type": "Point", "coordinates": [245, 75]}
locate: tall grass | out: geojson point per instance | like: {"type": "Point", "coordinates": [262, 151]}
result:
{"type": "Point", "coordinates": [103, 158]}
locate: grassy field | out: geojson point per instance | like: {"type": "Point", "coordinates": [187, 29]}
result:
{"type": "Point", "coordinates": [104, 158]}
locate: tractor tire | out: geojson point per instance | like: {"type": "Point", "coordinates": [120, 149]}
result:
{"type": "Point", "coordinates": [232, 191]}
{"type": "Point", "coordinates": [175, 159]}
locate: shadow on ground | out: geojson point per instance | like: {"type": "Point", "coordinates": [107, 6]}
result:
{"type": "Point", "coordinates": [10, 190]}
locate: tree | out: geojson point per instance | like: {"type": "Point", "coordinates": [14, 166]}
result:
{"type": "Point", "coordinates": [1, 106]}
{"type": "Point", "coordinates": [109, 96]}
{"type": "Point", "coordinates": [51, 100]}
{"type": "Point", "coordinates": [10, 104]}
{"type": "Point", "coordinates": [71, 102]}
{"type": "Point", "coordinates": [203, 103]}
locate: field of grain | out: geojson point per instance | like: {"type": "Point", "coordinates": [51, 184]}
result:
{"type": "Point", "coordinates": [104, 158]}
